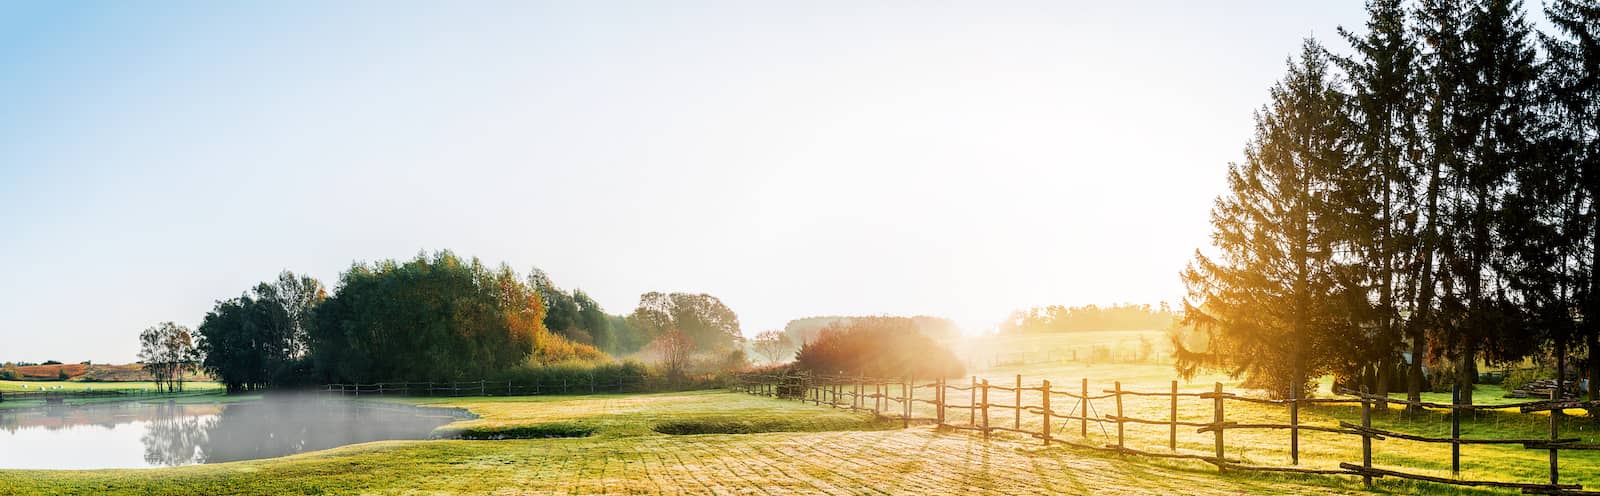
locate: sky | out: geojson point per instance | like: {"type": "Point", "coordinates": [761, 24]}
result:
{"type": "Point", "coordinates": [961, 159]}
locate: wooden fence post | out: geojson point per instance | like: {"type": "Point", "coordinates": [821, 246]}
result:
{"type": "Point", "coordinates": [1045, 390]}
{"type": "Point", "coordinates": [986, 409]}
{"type": "Point", "coordinates": [1555, 416]}
{"type": "Point", "coordinates": [1172, 432]}
{"type": "Point", "coordinates": [905, 403]}
{"type": "Point", "coordinates": [1016, 420]}
{"type": "Point", "coordinates": [877, 397]}
{"type": "Point", "coordinates": [1216, 419]}
{"type": "Point", "coordinates": [1455, 429]}
{"type": "Point", "coordinates": [1117, 387]}
{"type": "Point", "coordinates": [1083, 411]}
{"type": "Point", "coordinates": [938, 400]}
{"type": "Point", "coordinates": [972, 401]}
{"type": "Point", "coordinates": [1366, 437]}
{"type": "Point", "coordinates": [1294, 424]}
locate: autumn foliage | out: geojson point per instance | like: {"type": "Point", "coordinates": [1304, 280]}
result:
{"type": "Point", "coordinates": [878, 347]}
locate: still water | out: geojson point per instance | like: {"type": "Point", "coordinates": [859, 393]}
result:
{"type": "Point", "coordinates": [131, 435]}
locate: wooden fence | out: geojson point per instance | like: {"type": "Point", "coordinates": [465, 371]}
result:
{"type": "Point", "coordinates": [485, 388]}
{"type": "Point", "coordinates": [897, 398]}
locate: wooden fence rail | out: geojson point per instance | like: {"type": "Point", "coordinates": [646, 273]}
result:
{"type": "Point", "coordinates": [848, 392]}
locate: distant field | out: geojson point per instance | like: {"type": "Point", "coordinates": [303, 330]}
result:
{"type": "Point", "coordinates": [99, 386]}
{"type": "Point", "coordinates": [98, 372]}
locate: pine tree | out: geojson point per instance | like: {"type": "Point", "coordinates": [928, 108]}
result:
{"type": "Point", "coordinates": [1571, 177]}
{"type": "Point", "coordinates": [1439, 24]}
{"type": "Point", "coordinates": [1266, 302]}
{"type": "Point", "coordinates": [1382, 209]}
{"type": "Point", "coordinates": [1497, 128]}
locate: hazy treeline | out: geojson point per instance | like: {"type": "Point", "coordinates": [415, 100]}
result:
{"type": "Point", "coordinates": [882, 347]}
{"type": "Point", "coordinates": [441, 317]}
{"type": "Point", "coordinates": [1427, 200]}
{"type": "Point", "coordinates": [1117, 317]}
{"type": "Point", "coordinates": [804, 330]}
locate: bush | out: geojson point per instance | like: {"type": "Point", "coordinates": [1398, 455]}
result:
{"type": "Point", "coordinates": [538, 431]}
{"type": "Point", "coordinates": [878, 347]}
{"type": "Point", "coordinates": [631, 375]}
{"type": "Point", "coordinates": [1518, 378]}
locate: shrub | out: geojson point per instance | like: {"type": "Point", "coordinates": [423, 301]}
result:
{"type": "Point", "coordinates": [630, 375]}
{"type": "Point", "coordinates": [538, 431]}
{"type": "Point", "coordinates": [878, 347]}
{"type": "Point", "coordinates": [1518, 378]}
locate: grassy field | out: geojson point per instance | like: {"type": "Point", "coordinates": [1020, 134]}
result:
{"type": "Point", "coordinates": [731, 443]}
{"type": "Point", "coordinates": [819, 450]}
{"type": "Point", "coordinates": [1270, 447]}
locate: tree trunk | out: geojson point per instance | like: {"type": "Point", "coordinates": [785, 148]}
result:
{"type": "Point", "coordinates": [1467, 370]}
{"type": "Point", "coordinates": [1414, 375]}
{"type": "Point", "coordinates": [1594, 366]}
{"type": "Point", "coordinates": [1382, 379]}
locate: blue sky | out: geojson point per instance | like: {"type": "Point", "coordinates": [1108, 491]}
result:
{"type": "Point", "coordinates": [952, 158]}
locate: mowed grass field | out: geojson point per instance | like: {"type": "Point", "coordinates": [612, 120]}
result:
{"type": "Point", "coordinates": [715, 442]}
{"type": "Point", "coordinates": [1271, 447]}
{"type": "Point", "coordinates": [817, 450]}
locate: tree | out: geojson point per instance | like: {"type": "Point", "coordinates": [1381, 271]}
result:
{"type": "Point", "coordinates": [883, 347]}
{"type": "Point", "coordinates": [1267, 302]}
{"type": "Point", "coordinates": [434, 318]}
{"type": "Point", "coordinates": [166, 350]}
{"type": "Point", "coordinates": [1492, 131]}
{"type": "Point", "coordinates": [264, 336]}
{"type": "Point", "coordinates": [703, 319]}
{"type": "Point", "coordinates": [1381, 211]}
{"type": "Point", "coordinates": [672, 350]}
{"type": "Point", "coordinates": [773, 346]}
{"type": "Point", "coordinates": [1564, 186]}
{"type": "Point", "coordinates": [594, 321]}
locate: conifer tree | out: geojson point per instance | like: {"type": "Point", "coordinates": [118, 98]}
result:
{"type": "Point", "coordinates": [1266, 301]}
{"type": "Point", "coordinates": [1439, 25]}
{"type": "Point", "coordinates": [1381, 209]}
{"type": "Point", "coordinates": [1566, 181]}
{"type": "Point", "coordinates": [1496, 129]}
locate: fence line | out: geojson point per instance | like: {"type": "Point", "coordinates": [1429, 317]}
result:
{"type": "Point", "coordinates": [805, 386]}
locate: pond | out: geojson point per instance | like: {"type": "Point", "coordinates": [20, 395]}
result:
{"type": "Point", "coordinates": [139, 435]}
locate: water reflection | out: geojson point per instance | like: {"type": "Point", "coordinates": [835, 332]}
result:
{"type": "Point", "coordinates": [163, 435]}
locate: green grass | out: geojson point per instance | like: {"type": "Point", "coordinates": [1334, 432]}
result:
{"type": "Point", "coordinates": [1318, 450]}
{"type": "Point", "coordinates": [730, 443]}
{"type": "Point", "coordinates": [820, 451]}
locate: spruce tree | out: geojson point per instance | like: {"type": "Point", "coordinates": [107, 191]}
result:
{"type": "Point", "coordinates": [1570, 181]}
{"type": "Point", "coordinates": [1439, 25]}
{"type": "Point", "coordinates": [1498, 128]}
{"type": "Point", "coordinates": [1382, 207]}
{"type": "Point", "coordinates": [1266, 301]}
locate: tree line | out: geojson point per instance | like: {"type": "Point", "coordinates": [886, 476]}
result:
{"type": "Point", "coordinates": [433, 317]}
{"type": "Point", "coordinates": [1425, 202]}
{"type": "Point", "coordinates": [1117, 317]}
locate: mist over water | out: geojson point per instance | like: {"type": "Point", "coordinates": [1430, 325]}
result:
{"type": "Point", "coordinates": [129, 435]}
